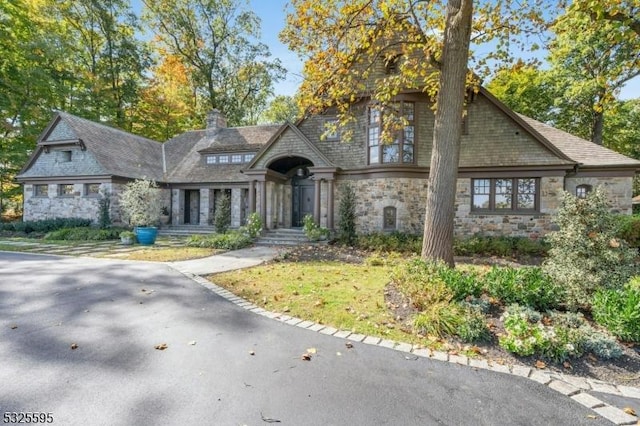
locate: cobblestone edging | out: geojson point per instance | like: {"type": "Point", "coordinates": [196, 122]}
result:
{"type": "Point", "coordinates": [576, 388]}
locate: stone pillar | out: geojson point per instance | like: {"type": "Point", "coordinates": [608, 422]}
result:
{"type": "Point", "coordinates": [330, 203]}
{"type": "Point", "coordinates": [263, 204]}
{"type": "Point", "coordinates": [236, 200]}
{"type": "Point", "coordinates": [316, 202]}
{"type": "Point", "coordinates": [203, 220]}
{"type": "Point", "coordinates": [252, 196]}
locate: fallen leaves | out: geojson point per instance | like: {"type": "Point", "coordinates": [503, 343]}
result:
{"type": "Point", "coordinates": [349, 345]}
{"type": "Point", "coordinates": [540, 364]}
{"type": "Point", "coordinates": [252, 353]}
{"type": "Point", "coordinates": [14, 326]}
{"type": "Point", "coordinates": [630, 411]}
{"type": "Point", "coordinates": [269, 420]}
{"type": "Point", "coordinates": [306, 357]}
{"type": "Point", "coordinates": [161, 346]}
{"type": "Point", "coordinates": [192, 343]}
{"type": "Point", "coordinates": [74, 346]}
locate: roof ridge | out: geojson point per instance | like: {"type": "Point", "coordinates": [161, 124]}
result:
{"type": "Point", "coordinates": [65, 114]}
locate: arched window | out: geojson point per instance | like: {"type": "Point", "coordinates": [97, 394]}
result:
{"type": "Point", "coordinates": [583, 190]}
{"type": "Point", "coordinates": [389, 218]}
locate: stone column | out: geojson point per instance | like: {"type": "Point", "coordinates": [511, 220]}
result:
{"type": "Point", "coordinates": [263, 203]}
{"type": "Point", "coordinates": [236, 200]}
{"type": "Point", "coordinates": [316, 203]}
{"type": "Point", "coordinates": [252, 196]}
{"type": "Point", "coordinates": [203, 220]}
{"type": "Point", "coordinates": [330, 203]}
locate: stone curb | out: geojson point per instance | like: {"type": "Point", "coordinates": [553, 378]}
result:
{"type": "Point", "coordinates": [576, 388]}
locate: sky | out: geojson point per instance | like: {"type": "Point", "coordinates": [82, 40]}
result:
{"type": "Point", "coordinates": [272, 14]}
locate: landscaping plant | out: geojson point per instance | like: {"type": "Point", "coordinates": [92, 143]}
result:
{"type": "Point", "coordinates": [585, 254]}
{"type": "Point", "coordinates": [619, 310]}
{"type": "Point", "coordinates": [141, 203]}
{"type": "Point", "coordinates": [312, 230]}
{"type": "Point", "coordinates": [528, 286]}
{"type": "Point", "coordinates": [347, 213]}
{"type": "Point", "coordinates": [222, 216]}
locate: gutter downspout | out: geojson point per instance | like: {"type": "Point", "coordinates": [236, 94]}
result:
{"type": "Point", "coordinates": [576, 168]}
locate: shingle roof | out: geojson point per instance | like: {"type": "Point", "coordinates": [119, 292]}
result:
{"type": "Point", "coordinates": [118, 152]}
{"type": "Point", "coordinates": [580, 150]}
{"type": "Point", "coordinates": [184, 152]}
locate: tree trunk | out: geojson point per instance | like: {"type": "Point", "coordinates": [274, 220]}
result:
{"type": "Point", "coordinates": [598, 126]}
{"type": "Point", "coordinates": [443, 173]}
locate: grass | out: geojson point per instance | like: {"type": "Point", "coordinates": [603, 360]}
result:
{"type": "Point", "coordinates": [167, 254]}
{"type": "Point", "coordinates": [345, 296]}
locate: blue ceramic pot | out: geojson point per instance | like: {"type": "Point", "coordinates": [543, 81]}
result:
{"type": "Point", "coordinates": [146, 235]}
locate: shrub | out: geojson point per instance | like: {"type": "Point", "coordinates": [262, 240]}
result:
{"type": "Point", "coordinates": [253, 228]}
{"type": "Point", "coordinates": [462, 283]}
{"type": "Point", "coordinates": [222, 216]}
{"type": "Point", "coordinates": [141, 203]}
{"type": "Point", "coordinates": [473, 327]}
{"type": "Point", "coordinates": [585, 255]}
{"type": "Point", "coordinates": [619, 310]}
{"type": "Point", "coordinates": [387, 242]}
{"type": "Point", "coordinates": [312, 230]}
{"type": "Point", "coordinates": [232, 240]}
{"type": "Point", "coordinates": [528, 286]}
{"type": "Point", "coordinates": [347, 213]}
{"type": "Point", "coordinates": [104, 205]}
{"type": "Point", "coordinates": [628, 229]}
{"type": "Point", "coordinates": [46, 225]}
{"type": "Point", "coordinates": [479, 245]}
{"type": "Point", "coordinates": [421, 284]}
{"type": "Point", "coordinates": [84, 234]}
{"type": "Point", "coordinates": [439, 319]}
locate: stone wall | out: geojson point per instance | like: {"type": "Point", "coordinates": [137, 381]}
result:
{"type": "Point", "coordinates": [408, 197]}
{"type": "Point", "coordinates": [619, 190]}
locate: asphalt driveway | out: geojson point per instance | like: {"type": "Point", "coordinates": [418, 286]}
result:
{"type": "Point", "coordinates": [222, 364]}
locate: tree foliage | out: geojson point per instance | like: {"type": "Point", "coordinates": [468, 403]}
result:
{"type": "Point", "coordinates": [215, 39]}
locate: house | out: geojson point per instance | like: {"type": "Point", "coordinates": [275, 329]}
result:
{"type": "Point", "coordinates": [512, 172]}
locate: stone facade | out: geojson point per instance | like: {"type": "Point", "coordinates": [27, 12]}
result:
{"type": "Point", "coordinates": [619, 190]}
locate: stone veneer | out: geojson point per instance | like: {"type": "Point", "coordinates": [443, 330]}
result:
{"type": "Point", "coordinates": [408, 196]}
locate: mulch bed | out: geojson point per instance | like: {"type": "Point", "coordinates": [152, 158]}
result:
{"type": "Point", "coordinates": [623, 371]}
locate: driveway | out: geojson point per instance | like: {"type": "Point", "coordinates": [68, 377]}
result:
{"type": "Point", "coordinates": [222, 364]}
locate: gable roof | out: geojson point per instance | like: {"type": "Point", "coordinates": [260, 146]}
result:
{"type": "Point", "coordinates": [301, 136]}
{"type": "Point", "coordinates": [184, 153]}
{"type": "Point", "coordinates": [118, 153]}
{"type": "Point", "coordinates": [584, 152]}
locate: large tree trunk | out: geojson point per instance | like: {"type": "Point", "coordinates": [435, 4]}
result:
{"type": "Point", "coordinates": [598, 127]}
{"type": "Point", "coordinates": [439, 219]}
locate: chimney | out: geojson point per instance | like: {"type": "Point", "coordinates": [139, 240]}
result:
{"type": "Point", "coordinates": [216, 120]}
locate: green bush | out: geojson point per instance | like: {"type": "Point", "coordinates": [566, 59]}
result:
{"type": "Point", "coordinates": [222, 215]}
{"type": "Point", "coordinates": [628, 229]}
{"type": "Point", "coordinates": [253, 228]}
{"type": "Point", "coordinates": [84, 234]}
{"type": "Point", "coordinates": [585, 254]}
{"type": "Point", "coordinates": [312, 230]}
{"type": "Point", "coordinates": [46, 225]}
{"type": "Point", "coordinates": [462, 283]}
{"type": "Point", "coordinates": [473, 327]}
{"type": "Point", "coordinates": [439, 319]}
{"type": "Point", "coordinates": [619, 310]}
{"type": "Point", "coordinates": [559, 337]}
{"type": "Point", "coordinates": [347, 213]}
{"type": "Point", "coordinates": [528, 286]}
{"type": "Point", "coordinates": [232, 240]}
{"type": "Point", "coordinates": [479, 245]}
{"type": "Point", "coordinates": [387, 242]}
{"type": "Point", "coordinates": [420, 282]}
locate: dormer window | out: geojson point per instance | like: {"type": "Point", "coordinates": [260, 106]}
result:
{"type": "Point", "coordinates": [211, 159]}
{"type": "Point", "coordinates": [64, 156]}
{"type": "Point", "coordinates": [240, 158]}
{"type": "Point", "coordinates": [392, 65]}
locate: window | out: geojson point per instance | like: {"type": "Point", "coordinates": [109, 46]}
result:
{"type": "Point", "coordinates": [401, 149]}
{"type": "Point", "coordinates": [248, 157]}
{"type": "Point", "coordinates": [91, 189]}
{"type": "Point", "coordinates": [211, 159]}
{"type": "Point", "coordinates": [65, 190]}
{"type": "Point", "coordinates": [504, 195]}
{"type": "Point", "coordinates": [331, 132]}
{"type": "Point", "coordinates": [392, 64]}
{"type": "Point", "coordinates": [236, 158]}
{"type": "Point", "coordinates": [389, 218]}
{"type": "Point", "coordinates": [223, 159]}
{"type": "Point", "coordinates": [41, 190]}
{"type": "Point", "coordinates": [583, 190]}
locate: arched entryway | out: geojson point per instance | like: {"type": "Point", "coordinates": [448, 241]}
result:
{"type": "Point", "coordinates": [302, 187]}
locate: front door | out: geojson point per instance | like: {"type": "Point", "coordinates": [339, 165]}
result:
{"type": "Point", "coordinates": [303, 194]}
{"type": "Point", "coordinates": [191, 206]}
